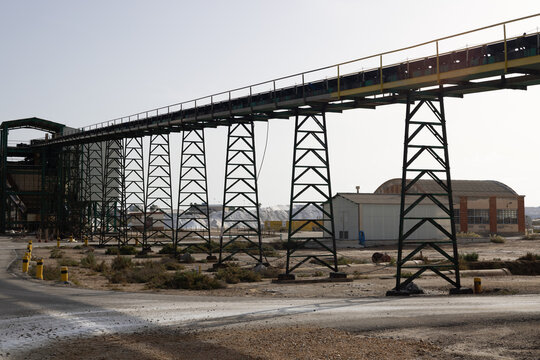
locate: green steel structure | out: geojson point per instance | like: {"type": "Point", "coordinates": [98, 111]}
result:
{"type": "Point", "coordinates": [97, 182]}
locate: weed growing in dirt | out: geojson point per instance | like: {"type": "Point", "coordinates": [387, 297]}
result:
{"type": "Point", "coordinates": [358, 275]}
{"type": "Point", "coordinates": [187, 280]}
{"type": "Point", "coordinates": [121, 263]}
{"type": "Point", "coordinates": [530, 257]}
{"type": "Point", "coordinates": [66, 261]}
{"type": "Point", "coordinates": [497, 239]}
{"type": "Point", "coordinates": [247, 247]}
{"type": "Point", "coordinates": [271, 272]}
{"type": "Point", "coordinates": [186, 258]}
{"type": "Point", "coordinates": [531, 237]}
{"type": "Point", "coordinates": [148, 271]}
{"type": "Point", "coordinates": [234, 274]}
{"type": "Point", "coordinates": [171, 264]}
{"type": "Point", "coordinates": [469, 257]}
{"type": "Point", "coordinates": [167, 249]}
{"type": "Point", "coordinates": [344, 261]}
{"type": "Point", "coordinates": [89, 261]}
{"type": "Point", "coordinates": [101, 267]}
{"type": "Point", "coordinates": [56, 253]}
{"type": "Point", "coordinates": [467, 235]}
{"type": "Point", "coordinates": [112, 251]}
{"type": "Point", "coordinates": [203, 248]}
{"type": "Point", "coordinates": [405, 274]}
{"type": "Point", "coordinates": [122, 250]}
{"type": "Point", "coordinates": [50, 272]}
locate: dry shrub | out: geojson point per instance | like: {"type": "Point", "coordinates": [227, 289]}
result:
{"type": "Point", "coordinates": [56, 253]}
{"type": "Point", "coordinates": [190, 280]}
{"type": "Point", "coordinates": [66, 261]}
{"type": "Point", "coordinates": [497, 239]}
{"type": "Point", "coordinates": [50, 272]}
{"type": "Point", "coordinates": [234, 274]}
{"type": "Point", "coordinates": [121, 263]}
{"type": "Point", "coordinates": [146, 272]}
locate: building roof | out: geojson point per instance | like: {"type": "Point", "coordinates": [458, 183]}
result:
{"type": "Point", "coordinates": [34, 123]}
{"type": "Point", "coordinates": [472, 188]}
{"type": "Point", "coordinates": [362, 198]}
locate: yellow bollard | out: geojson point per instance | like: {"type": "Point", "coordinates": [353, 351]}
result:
{"type": "Point", "coordinates": [29, 248]}
{"type": "Point", "coordinates": [477, 285]}
{"type": "Point", "coordinates": [70, 238]}
{"type": "Point", "coordinates": [86, 241]}
{"type": "Point", "coordinates": [64, 274]}
{"type": "Point", "coordinates": [29, 242]}
{"type": "Point", "coordinates": [39, 269]}
{"type": "Point", "coordinates": [25, 264]}
{"type": "Point", "coordinates": [58, 242]}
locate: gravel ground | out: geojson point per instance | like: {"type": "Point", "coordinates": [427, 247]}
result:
{"type": "Point", "coordinates": [488, 339]}
{"type": "Point", "coordinates": [240, 344]}
{"type": "Point", "coordinates": [273, 321]}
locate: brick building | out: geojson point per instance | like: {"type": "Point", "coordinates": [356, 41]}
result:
{"type": "Point", "coordinates": [481, 206]}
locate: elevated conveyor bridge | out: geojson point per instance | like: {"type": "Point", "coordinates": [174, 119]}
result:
{"type": "Point", "coordinates": [122, 195]}
{"type": "Point", "coordinates": [509, 63]}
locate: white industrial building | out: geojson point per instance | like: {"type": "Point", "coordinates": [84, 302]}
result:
{"type": "Point", "coordinates": [377, 216]}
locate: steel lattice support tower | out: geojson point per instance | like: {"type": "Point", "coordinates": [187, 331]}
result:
{"type": "Point", "coordinates": [425, 155]}
{"type": "Point", "coordinates": [44, 212]}
{"type": "Point", "coordinates": [240, 216]}
{"type": "Point", "coordinates": [193, 222]}
{"type": "Point", "coordinates": [95, 176]}
{"type": "Point", "coordinates": [311, 192]}
{"type": "Point", "coordinates": [86, 214]}
{"type": "Point", "coordinates": [68, 185]}
{"type": "Point", "coordinates": [112, 184]}
{"type": "Point", "coordinates": [73, 192]}
{"type": "Point", "coordinates": [133, 199]}
{"type": "Point", "coordinates": [159, 212]}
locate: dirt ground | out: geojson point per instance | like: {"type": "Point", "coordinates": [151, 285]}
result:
{"type": "Point", "coordinates": [513, 338]}
{"type": "Point", "coordinates": [242, 344]}
{"type": "Point", "coordinates": [369, 279]}
{"type": "Point", "coordinates": [492, 340]}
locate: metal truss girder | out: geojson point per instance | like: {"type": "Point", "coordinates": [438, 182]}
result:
{"type": "Point", "coordinates": [95, 181]}
{"type": "Point", "coordinates": [193, 217]}
{"type": "Point", "coordinates": [111, 218]}
{"type": "Point", "coordinates": [68, 182]}
{"type": "Point", "coordinates": [411, 199]}
{"type": "Point", "coordinates": [240, 215]}
{"type": "Point", "coordinates": [74, 192]}
{"type": "Point", "coordinates": [86, 213]}
{"type": "Point", "coordinates": [133, 196]}
{"type": "Point", "coordinates": [311, 190]}
{"type": "Point", "coordinates": [158, 223]}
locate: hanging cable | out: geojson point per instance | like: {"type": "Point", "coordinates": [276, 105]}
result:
{"type": "Point", "coordinates": [265, 147]}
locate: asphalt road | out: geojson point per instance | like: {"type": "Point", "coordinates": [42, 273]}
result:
{"type": "Point", "coordinates": [33, 313]}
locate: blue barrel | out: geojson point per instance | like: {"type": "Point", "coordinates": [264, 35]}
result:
{"type": "Point", "coordinates": [362, 238]}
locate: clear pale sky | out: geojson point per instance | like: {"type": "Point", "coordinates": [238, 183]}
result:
{"type": "Point", "coordinates": [82, 62]}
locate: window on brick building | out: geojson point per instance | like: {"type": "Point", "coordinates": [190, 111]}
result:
{"type": "Point", "coordinates": [478, 216]}
{"type": "Point", "coordinates": [507, 216]}
{"type": "Point", "coordinates": [456, 216]}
